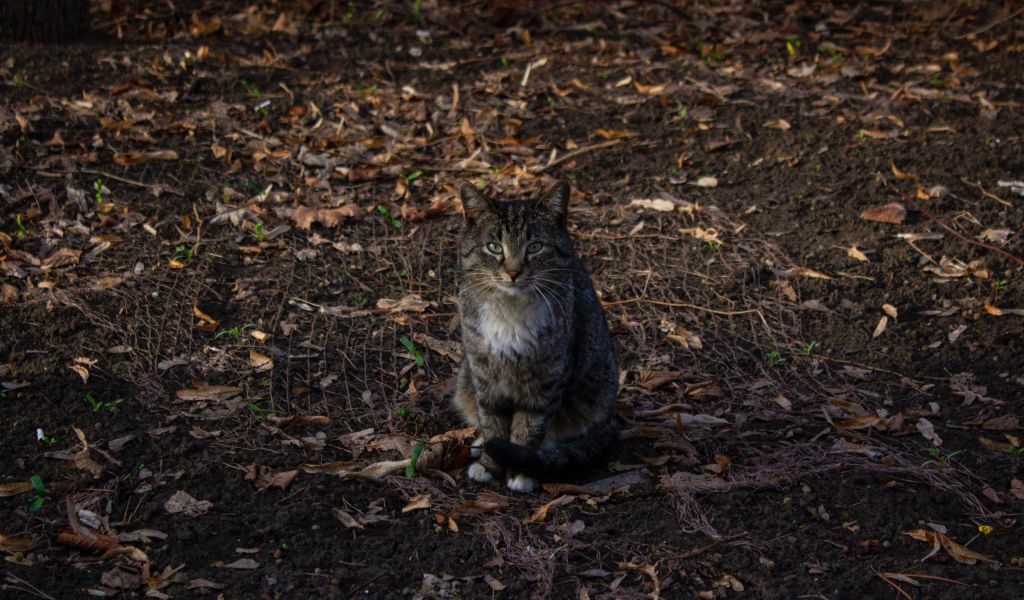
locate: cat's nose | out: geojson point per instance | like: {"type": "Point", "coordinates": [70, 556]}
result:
{"type": "Point", "coordinates": [512, 275]}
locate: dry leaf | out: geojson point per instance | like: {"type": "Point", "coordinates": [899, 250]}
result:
{"type": "Point", "coordinates": [853, 252]}
{"type": "Point", "coordinates": [542, 513]}
{"type": "Point", "coordinates": [410, 303]}
{"type": "Point", "coordinates": [346, 519]}
{"type": "Point", "coordinates": [244, 564]}
{"type": "Point", "coordinates": [10, 543]}
{"type": "Point", "coordinates": [903, 175]}
{"type": "Point", "coordinates": [1017, 489]}
{"type": "Point", "coordinates": [956, 333]}
{"type": "Point", "coordinates": [260, 362]}
{"type": "Point", "coordinates": [890, 310]}
{"type": "Point", "coordinates": [781, 124]}
{"type": "Point", "coordinates": [418, 503]}
{"type": "Point", "coordinates": [928, 431]}
{"type": "Point", "coordinates": [880, 328]}
{"type": "Point", "coordinates": [304, 216]}
{"type": "Point", "coordinates": [492, 582]}
{"type": "Point", "coordinates": [657, 204]}
{"type": "Point", "coordinates": [614, 134]}
{"type": "Point", "coordinates": [216, 393]}
{"type": "Point", "coordinates": [182, 502]}
{"type": "Point", "coordinates": [894, 213]}
{"type": "Point", "coordinates": [707, 182]}
{"type": "Point", "coordinates": [859, 422]}
{"type": "Point", "coordinates": [652, 380]}
{"type": "Point", "coordinates": [14, 488]}
{"type": "Point", "coordinates": [961, 554]}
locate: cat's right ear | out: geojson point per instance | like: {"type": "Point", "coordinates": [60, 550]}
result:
{"type": "Point", "coordinates": [474, 203]}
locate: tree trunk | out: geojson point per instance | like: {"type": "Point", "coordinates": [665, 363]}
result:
{"type": "Point", "coordinates": [43, 20]}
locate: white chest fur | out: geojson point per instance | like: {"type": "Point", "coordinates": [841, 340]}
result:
{"type": "Point", "coordinates": [511, 327]}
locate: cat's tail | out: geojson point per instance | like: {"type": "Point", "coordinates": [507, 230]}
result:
{"type": "Point", "coordinates": [564, 459]}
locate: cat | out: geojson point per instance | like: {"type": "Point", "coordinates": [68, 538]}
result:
{"type": "Point", "coordinates": [539, 376]}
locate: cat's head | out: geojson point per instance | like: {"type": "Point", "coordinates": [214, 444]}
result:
{"type": "Point", "coordinates": [515, 246]}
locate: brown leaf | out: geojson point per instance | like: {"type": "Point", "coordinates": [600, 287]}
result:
{"type": "Point", "coordinates": [182, 502]}
{"type": "Point", "coordinates": [134, 158]}
{"type": "Point", "coordinates": [876, 134]}
{"type": "Point", "coordinates": [410, 303]}
{"type": "Point", "coordinates": [781, 124]}
{"type": "Point", "coordinates": [260, 362]}
{"type": "Point", "coordinates": [1017, 489]}
{"type": "Point", "coordinates": [893, 213]}
{"type": "Point", "coordinates": [10, 543]}
{"type": "Point", "coordinates": [418, 503]}
{"type": "Point", "coordinates": [14, 488]}
{"type": "Point", "coordinates": [890, 310]}
{"type": "Point", "coordinates": [853, 252]}
{"type": "Point", "coordinates": [880, 328]}
{"type": "Point", "coordinates": [340, 467]}
{"type": "Point", "coordinates": [494, 583]}
{"type": "Point", "coordinates": [346, 519]}
{"type": "Point", "coordinates": [614, 134]}
{"type": "Point", "coordinates": [217, 393]}
{"type": "Point", "coordinates": [245, 564]}
{"type": "Point", "coordinates": [902, 175]}
{"type": "Point", "coordinates": [1003, 423]}
{"type": "Point", "coordinates": [206, 322]}
{"type": "Point", "coordinates": [542, 513]}
{"type": "Point", "coordinates": [652, 380]}
{"type": "Point", "coordinates": [304, 216]}
{"type": "Point", "coordinates": [859, 422]}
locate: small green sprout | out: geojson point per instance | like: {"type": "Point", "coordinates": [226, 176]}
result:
{"type": "Point", "coordinates": [93, 402]}
{"type": "Point", "coordinates": [403, 413]}
{"type": "Point", "coordinates": [417, 11]}
{"type": "Point", "coordinates": [1001, 286]}
{"type": "Point", "coordinates": [411, 177]}
{"type": "Point", "coordinates": [22, 230]}
{"type": "Point", "coordinates": [773, 359]}
{"type": "Point", "coordinates": [939, 458]}
{"type": "Point", "coordinates": [1015, 452]}
{"type": "Point", "coordinates": [792, 45]}
{"type": "Point", "coordinates": [410, 470]}
{"type": "Point", "coordinates": [395, 222]}
{"type": "Point", "coordinates": [254, 92]}
{"type": "Point", "coordinates": [818, 168]}
{"type": "Point", "coordinates": [17, 80]}
{"type": "Point", "coordinates": [234, 331]}
{"type": "Point", "coordinates": [808, 348]}
{"type": "Point", "coordinates": [39, 491]}
{"type": "Point", "coordinates": [411, 347]}
{"type": "Point", "coordinates": [505, 61]}
{"type": "Point", "coordinates": [682, 113]}
{"type": "Point", "coordinates": [257, 230]}
{"type": "Point", "coordinates": [551, 102]}
{"type": "Point", "coordinates": [256, 411]}
{"type": "Point", "coordinates": [713, 245]}
{"type": "Point", "coordinates": [97, 191]}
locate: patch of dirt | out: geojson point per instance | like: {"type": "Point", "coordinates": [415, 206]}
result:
{"type": "Point", "coordinates": [781, 442]}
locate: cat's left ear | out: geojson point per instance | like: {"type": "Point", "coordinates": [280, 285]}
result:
{"type": "Point", "coordinates": [555, 202]}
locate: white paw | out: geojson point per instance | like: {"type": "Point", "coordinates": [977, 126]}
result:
{"type": "Point", "coordinates": [522, 483]}
{"type": "Point", "coordinates": [477, 472]}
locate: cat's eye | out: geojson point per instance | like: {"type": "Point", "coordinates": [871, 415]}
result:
{"type": "Point", "coordinates": [494, 248]}
{"type": "Point", "coordinates": [534, 247]}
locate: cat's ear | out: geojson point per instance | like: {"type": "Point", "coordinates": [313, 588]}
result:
{"type": "Point", "coordinates": [555, 202]}
{"type": "Point", "coordinates": [474, 202]}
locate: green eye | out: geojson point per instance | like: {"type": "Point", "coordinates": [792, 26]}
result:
{"type": "Point", "coordinates": [534, 247]}
{"type": "Point", "coordinates": [494, 248]}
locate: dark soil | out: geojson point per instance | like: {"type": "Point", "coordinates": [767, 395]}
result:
{"type": "Point", "coordinates": [806, 465]}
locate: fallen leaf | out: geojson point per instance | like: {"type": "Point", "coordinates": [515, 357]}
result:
{"type": "Point", "coordinates": [880, 328]}
{"type": "Point", "coordinates": [1017, 489]}
{"type": "Point", "coordinates": [890, 310]}
{"type": "Point", "coordinates": [657, 204]}
{"type": "Point", "coordinates": [209, 393]}
{"type": "Point", "coordinates": [542, 513]}
{"type": "Point", "coordinates": [14, 488]}
{"type": "Point", "coordinates": [11, 543]}
{"type": "Point", "coordinates": [956, 333]}
{"type": "Point", "coordinates": [781, 124]}
{"type": "Point", "coordinates": [707, 182]}
{"type": "Point", "coordinates": [853, 252]}
{"type": "Point", "coordinates": [902, 175]}
{"type": "Point", "coordinates": [182, 502]}
{"type": "Point", "coordinates": [410, 303]}
{"type": "Point", "coordinates": [260, 362]}
{"type": "Point", "coordinates": [928, 431]}
{"type": "Point", "coordinates": [652, 380]}
{"type": "Point", "coordinates": [614, 134]}
{"type": "Point", "coordinates": [893, 213]}
{"type": "Point", "coordinates": [245, 564]}
{"type": "Point", "coordinates": [305, 216]}
{"type": "Point", "coordinates": [346, 519]}
{"type": "Point", "coordinates": [492, 582]}
{"type": "Point", "coordinates": [938, 540]}
{"type": "Point", "coordinates": [859, 422]}
{"type": "Point", "coordinates": [418, 503]}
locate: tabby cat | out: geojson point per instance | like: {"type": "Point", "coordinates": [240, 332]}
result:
{"type": "Point", "coordinates": [539, 377]}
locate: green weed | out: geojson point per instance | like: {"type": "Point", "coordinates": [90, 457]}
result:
{"type": "Point", "coordinates": [939, 458]}
{"type": "Point", "coordinates": [22, 230]}
{"type": "Point", "coordinates": [98, 405]}
{"type": "Point", "coordinates": [39, 491]}
{"type": "Point", "coordinates": [411, 347]}
{"type": "Point", "coordinates": [235, 331]}
{"type": "Point", "coordinates": [808, 348]}
{"type": "Point", "coordinates": [97, 191]}
{"type": "Point", "coordinates": [257, 230]}
{"type": "Point", "coordinates": [773, 359]}
{"type": "Point", "coordinates": [410, 470]}
{"type": "Point", "coordinates": [395, 222]}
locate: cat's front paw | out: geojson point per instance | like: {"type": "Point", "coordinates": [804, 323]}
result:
{"type": "Point", "coordinates": [478, 472]}
{"type": "Point", "coordinates": [522, 483]}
